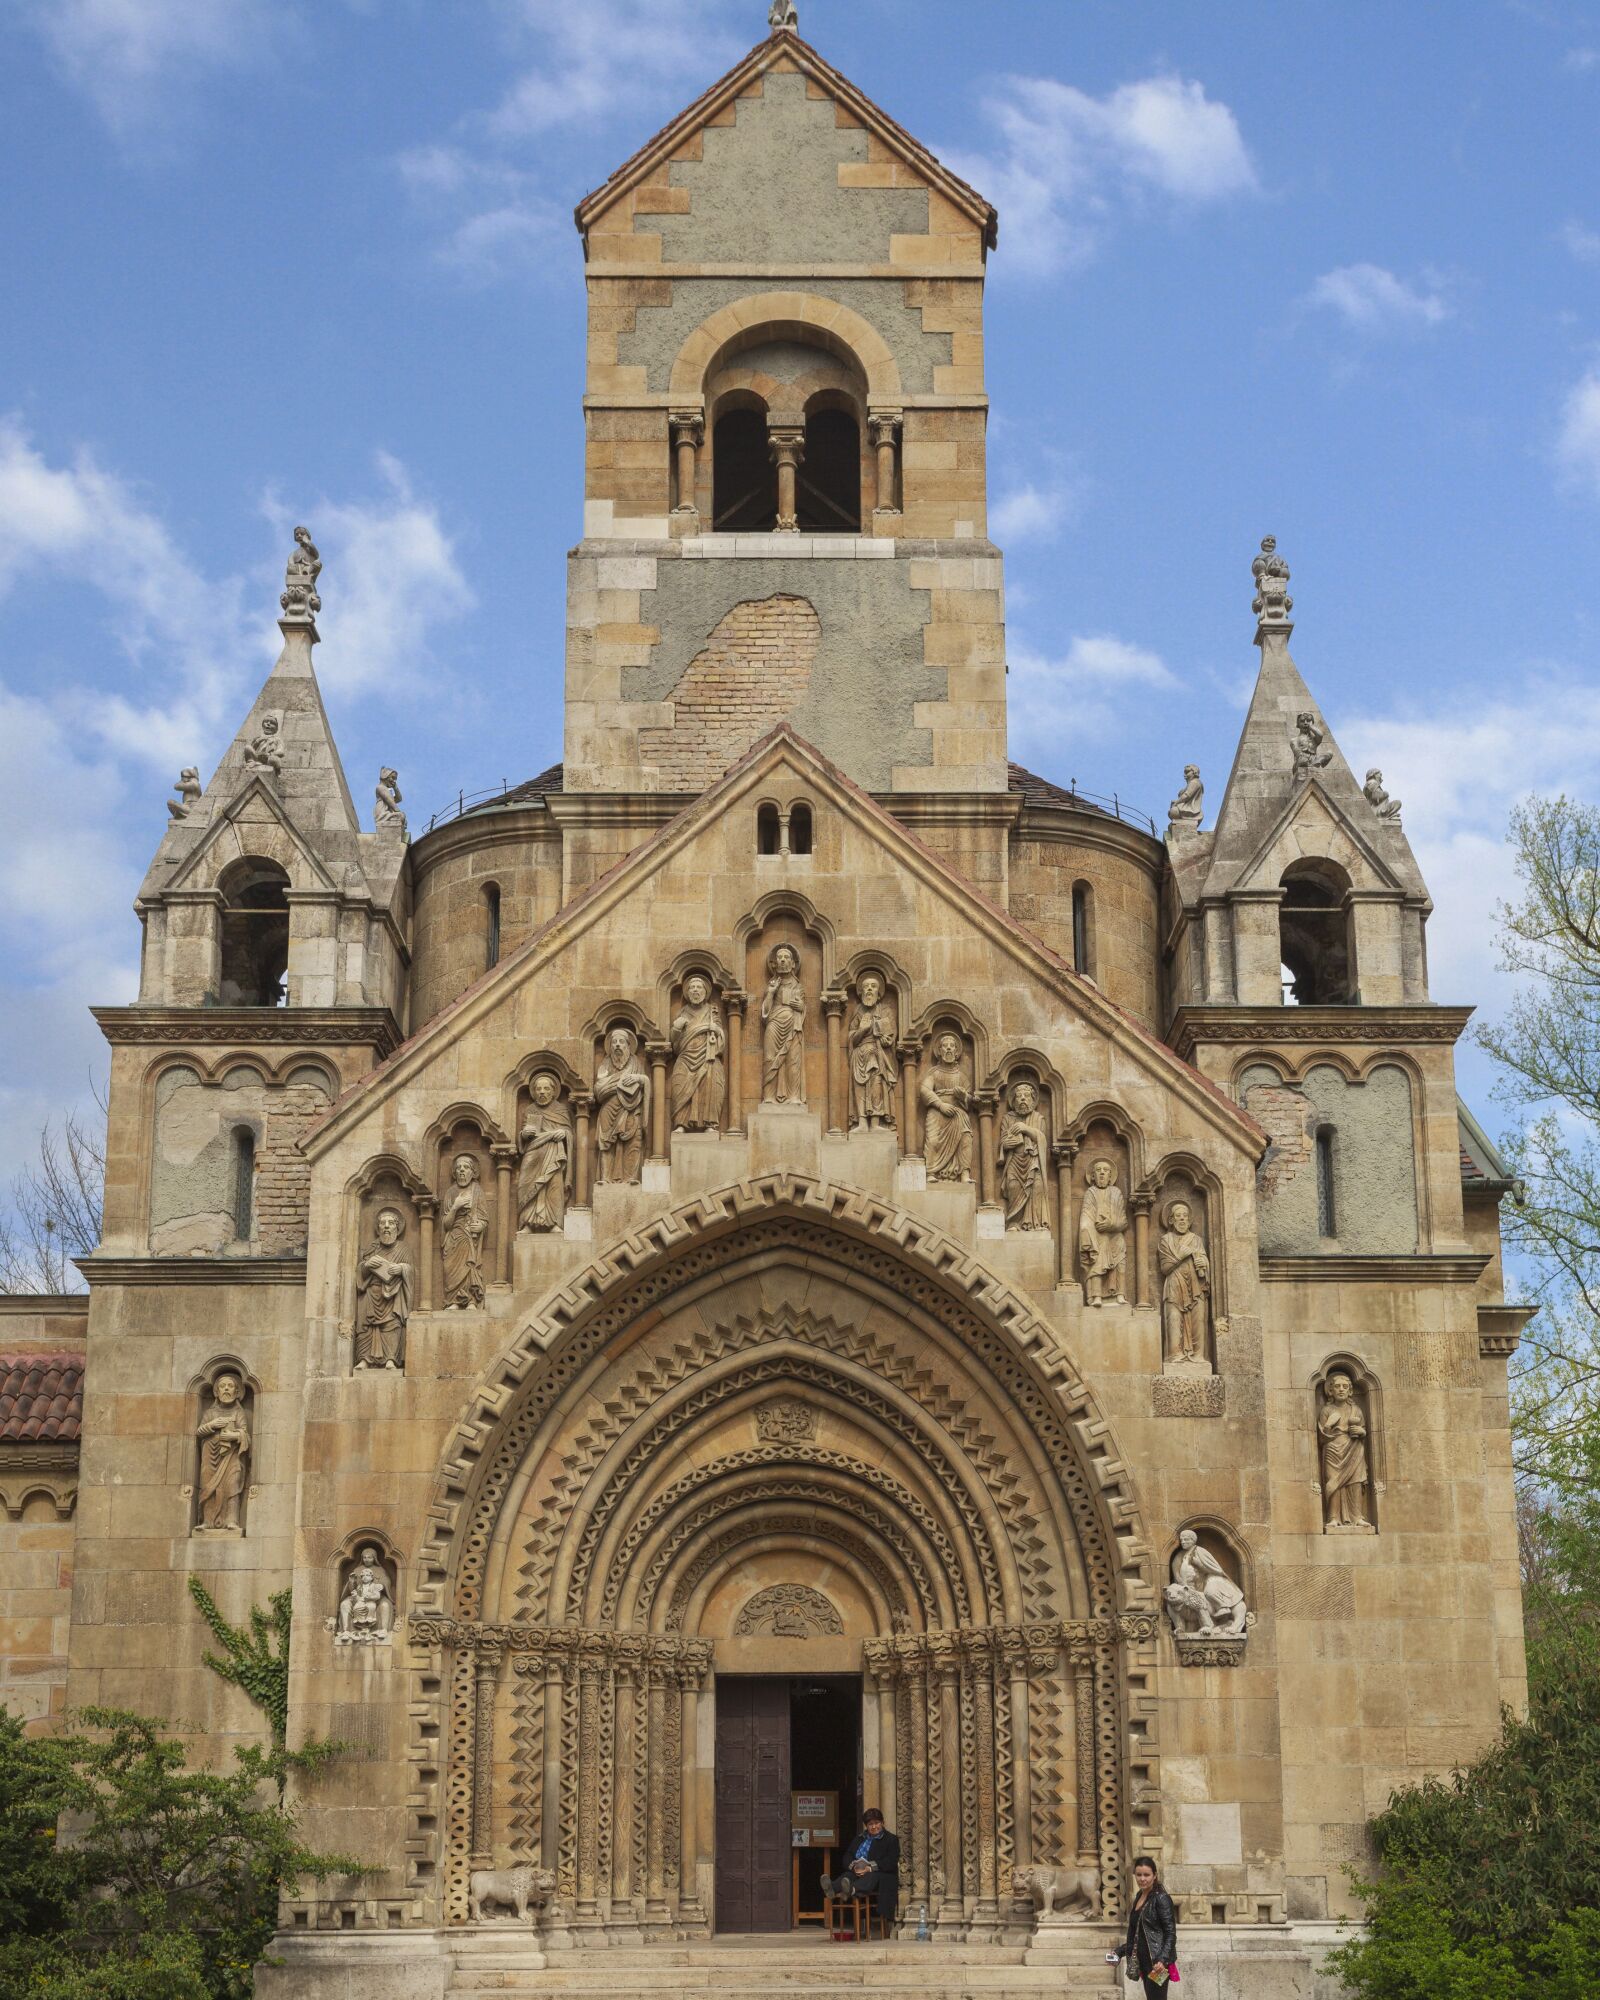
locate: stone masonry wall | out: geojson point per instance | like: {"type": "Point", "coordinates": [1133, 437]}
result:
{"type": "Point", "coordinates": [751, 674]}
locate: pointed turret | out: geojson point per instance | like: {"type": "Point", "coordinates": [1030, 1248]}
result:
{"type": "Point", "coordinates": [276, 821]}
{"type": "Point", "coordinates": [1307, 887]}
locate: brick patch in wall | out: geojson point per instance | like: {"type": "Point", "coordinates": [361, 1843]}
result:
{"type": "Point", "coordinates": [1285, 1112]}
{"type": "Point", "coordinates": [746, 679]}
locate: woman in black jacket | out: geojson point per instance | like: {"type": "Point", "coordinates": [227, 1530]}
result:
{"type": "Point", "coordinates": [1152, 1929]}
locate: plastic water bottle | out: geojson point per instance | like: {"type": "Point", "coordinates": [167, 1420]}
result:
{"type": "Point", "coordinates": [924, 1934]}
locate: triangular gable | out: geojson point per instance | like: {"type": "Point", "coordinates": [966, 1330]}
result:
{"type": "Point", "coordinates": [1312, 792]}
{"type": "Point", "coordinates": [235, 815]}
{"type": "Point", "coordinates": [1263, 789]}
{"type": "Point", "coordinates": [786, 49]}
{"type": "Point", "coordinates": [604, 895]}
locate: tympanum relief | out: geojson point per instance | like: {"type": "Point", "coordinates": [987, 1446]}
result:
{"type": "Point", "coordinates": [946, 1099]}
{"type": "Point", "coordinates": [869, 1042]}
{"type": "Point", "coordinates": [1024, 1158]}
{"type": "Point", "coordinates": [464, 1233]}
{"type": "Point", "coordinates": [789, 1611]}
{"type": "Point", "coordinates": [622, 1108]}
{"type": "Point", "coordinates": [783, 1022]}
{"type": "Point", "coordinates": [786, 1422]}
{"type": "Point", "coordinates": [699, 1059]}
{"type": "Point", "coordinates": [544, 1170]}
{"type": "Point", "coordinates": [223, 1436]}
{"type": "Point", "coordinates": [384, 1282]}
{"type": "Point", "coordinates": [1103, 1236]}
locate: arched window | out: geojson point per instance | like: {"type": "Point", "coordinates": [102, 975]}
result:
{"type": "Point", "coordinates": [767, 829]}
{"type": "Point", "coordinates": [828, 489]}
{"type": "Point", "coordinates": [255, 935]}
{"type": "Point", "coordinates": [800, 829]}
{"type": "Point", "coordinates": [1314, 936]}
{"type": "Point", "coordinates": [1083, 929]}
{"type": "Point", "coordinates": [491, 923]}
{"type": "Point", "coordinates": [244, 1183]}
{"type": "Point", "coordinates": [1327, 1213]}
{"type": "Point", "coordinates": [744, 480]}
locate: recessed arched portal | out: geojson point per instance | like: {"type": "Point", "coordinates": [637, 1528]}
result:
{"type": "Point", "coordinates": [792, 1432]}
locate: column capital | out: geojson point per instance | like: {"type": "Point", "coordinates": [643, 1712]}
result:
{"type": "Point", "coordinates": [688, 426]}
{"type": "Point", "coordinates": [787, 443]}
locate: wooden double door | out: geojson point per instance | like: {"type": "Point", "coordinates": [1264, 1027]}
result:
{"type": "Point", "coordinates": [776, 1735]}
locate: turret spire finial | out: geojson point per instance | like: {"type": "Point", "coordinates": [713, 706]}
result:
{"type": "Point", "coordinates": [1272, 603]}
{"type": "Point", "coordinates": [300, 602]}
{"type": "Point", "coordinates": [782, 17]}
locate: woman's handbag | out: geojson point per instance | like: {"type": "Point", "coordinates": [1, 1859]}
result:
{"type": "Point", "coordinates": [1130, 1969]}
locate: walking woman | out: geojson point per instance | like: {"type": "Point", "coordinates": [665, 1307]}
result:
{"type": "Point", "coordinates": [1151, 1950]}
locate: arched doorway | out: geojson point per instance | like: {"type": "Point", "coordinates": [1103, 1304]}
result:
{"type": "Point", "coordinates": [791, 1446]}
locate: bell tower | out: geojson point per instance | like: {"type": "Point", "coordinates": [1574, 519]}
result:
{"type": "Point", "coordinates": [784, 506]}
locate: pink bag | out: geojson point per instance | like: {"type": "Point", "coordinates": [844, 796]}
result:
{"type": "Point", "coordinates": [1173, 1975]}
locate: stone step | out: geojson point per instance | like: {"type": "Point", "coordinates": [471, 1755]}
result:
{"type": "Point", "coordinates": [810, 1972]}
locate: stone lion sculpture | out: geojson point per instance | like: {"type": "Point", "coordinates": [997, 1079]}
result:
{"type": "Point", "coordinates": [1061, 1895]}
{"type": "Point", "coordinates": [519, 1889]}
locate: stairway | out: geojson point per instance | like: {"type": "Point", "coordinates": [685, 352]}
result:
{"type": "Point", "coordinates": [492, 1961]}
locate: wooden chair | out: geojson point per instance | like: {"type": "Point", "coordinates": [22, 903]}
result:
{"type": "Point", "coordinates": [859, 1915]}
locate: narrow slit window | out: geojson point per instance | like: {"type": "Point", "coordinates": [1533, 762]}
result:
{"type": "Point", "coordinates": [491, 912]}
{"type": "Point", "coordinates": [800, 830]}
{"type": "Point", "coordinates": [1082, 929]}
{"type": "Point", "coordinates": [1327, 1214]}
{"type": "Point", "coordinates": [244, 1183]}
{"type": "Point", "coordinates": [766, 829]}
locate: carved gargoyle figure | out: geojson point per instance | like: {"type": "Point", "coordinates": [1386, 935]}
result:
{"type": "Point", "coordinates": [1387, 809]}
{"type": "Point", "coordinates": [1309, 754]}
{"type": "Point", "coordinates": [300, 602]}
{"type": "Point", "coordinates": [1183, 815]}
{"type": "Point", "coordinates": [386, 814]}
{"type": "Point", "coordinates": [264, 752]}
{"type": "Point", "coordinates": [1272, 602]}
{"type": "Point", "coordinates": [188, 789]}
{"type": "Point", "coordinates": [1061, 1895]}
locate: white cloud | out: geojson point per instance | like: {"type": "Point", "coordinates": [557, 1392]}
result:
{"type": "Point", "coordinates": [1065, 159]}
{"type": "Point", "coordinates": [1373, 300]}
{"type": "Point", "coordinates": [1581, 243]}
{"type": "Point", "coordinates": [604, 63]}
{"type": "Point", "coordinates": [1578, 440]}
{"type": "Point", "coordinates": [126, 55]}
{"type": "Point", "coordinates": [1032, 513]}
{"type": "Point", "coordinates": [606, 57]}
{"type": "Point", "coordinates": [1073, 697]}
{"type": "Point", "coordinates": [390, 578]}
{"type": "Point", "coordinates": [1581, 61]}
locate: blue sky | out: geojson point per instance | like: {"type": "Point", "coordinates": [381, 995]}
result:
{"type": "Point", "coordinates": [1332, 273]}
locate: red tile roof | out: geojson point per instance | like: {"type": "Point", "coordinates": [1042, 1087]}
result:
{"type": "Point", "coordinates": [41, 1397]}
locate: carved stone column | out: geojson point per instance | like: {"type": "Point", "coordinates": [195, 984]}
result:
{"type": "Point", "coordinates": [594, 1693]}
{"type": "Point", "coordinates": [1015, 1668]}
{"type": "Point", "coordinates": [883, 427]}
{"type": "Point", "coordinates": [658, 1053]}
{"type": "Point", "coordinates": [688, 430]}
{"type": "Point", "coordinates": [914, 1700]}
{"type": "Point", "coordinates": [582, 1103]}
{"type": "Point", "coordinates": [787, 444]}
{"type": "Point", "coordinates": [910, 1124]}
{"type": "Point", "coordinates": [838, 1094]}
{"type": "Point", "coordinates": [487, 1675]}
{"type": "Point", "coordinates": [505, 1160]}
{"type": "Point", "coordinates": [735, 1097]}
{"type": "Point", "coordinates": [1082, 1663]}
{"type": "Point", "coordinates": [987, 1103]}
{"type": "Point", "coordinates": [1141, 1249]}
{"type": "Point", "coordinates": [986, 1913]}
{"type": "Point", "coordinates": [697, 1840]}
{"type": "Point", "coordinates": [1063, 1153]}
{"type": "Point", "coordinates": [658, 1689]}
{"type": "Point", "coordinates": [427, 1207]}
{"type": "Point", "coordinates": [623, 1877]}
{"type": "Point", "coordinates": [944, 1711]}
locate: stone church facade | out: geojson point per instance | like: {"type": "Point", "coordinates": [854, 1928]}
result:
{"type": "Point", "coordinates": [789, 1208]}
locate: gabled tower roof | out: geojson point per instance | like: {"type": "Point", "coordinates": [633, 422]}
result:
{"type": "Point", "coordinates": [284, 753]}
{"type": "Point", "coordinates": [784, 48]}
{"type": "Point", "coordinates": [1271, 777]}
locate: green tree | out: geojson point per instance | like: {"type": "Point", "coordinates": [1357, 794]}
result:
{"type": "Point", "coordinates": [169, 1883]}
{"type": "Point", "coordinates": [1548, 1050]}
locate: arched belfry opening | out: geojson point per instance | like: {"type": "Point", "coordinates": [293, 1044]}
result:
{"type": "Point", "coordinates": [744, 480]}
{"type": "Point", "coordinates": [882, 1504]}
{"type": "Point", "coordinates": [829, 484]}
{"type": "Point", "coordinates": [255, 935]}
{"type": "Point", "coordinates": [1314, 937]}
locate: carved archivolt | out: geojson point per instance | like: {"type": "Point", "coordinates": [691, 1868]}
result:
{"type": "Point", "coordinates": [946, 1504]}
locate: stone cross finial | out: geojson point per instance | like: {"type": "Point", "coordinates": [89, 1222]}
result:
{"type": "Point", "coordinates": [781, 15]}
{"type": "Point", "coordinates": [300, 602]}
{"type": "Point", "coordinates": [1272, 602]}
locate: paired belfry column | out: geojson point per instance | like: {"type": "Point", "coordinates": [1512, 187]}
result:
{"type": "Point", "coordinates": [688, 428]}
{"type": "Point", "coordinates": [787, 444]}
